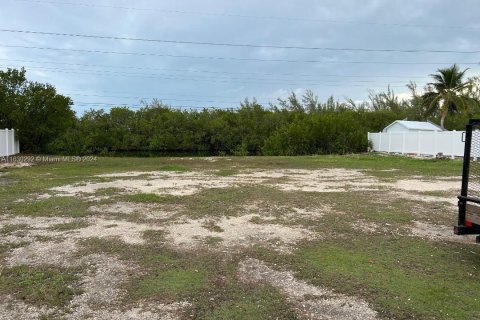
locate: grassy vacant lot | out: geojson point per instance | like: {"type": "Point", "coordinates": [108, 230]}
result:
{"type": "Point", "coordinates": [334, 237]}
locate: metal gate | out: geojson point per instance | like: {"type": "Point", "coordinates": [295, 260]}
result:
{"type": "Point", "coordinates": [469, 198]}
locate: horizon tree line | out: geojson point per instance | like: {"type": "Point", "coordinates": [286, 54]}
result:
{"type": "Point", "coordinates": [293, 126]}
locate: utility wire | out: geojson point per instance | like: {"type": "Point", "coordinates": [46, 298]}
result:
{"type": "Point", "coordinates": [165, 93]}
{"type": "Point", "coordinates": [137, 106]}
{"type": "Point", "coordinates": [312, 84]}
{"type": "Point", "coordinates": [225, 44]}
{"type": "Point", "coordinates": [176, 77]}
{"type": "Point", "coordinates": [209, 71]}
{"type": "Point", "coordinates": [232, 58]}
{"type": "Point", "coordinates": [265, 17]}
{"type": "Point", "coordinates": [160, 99]}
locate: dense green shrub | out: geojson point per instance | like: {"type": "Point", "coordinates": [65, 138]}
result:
{"type": "Point", "coordinates": [295, 126]}
{"type": "Point", "coordinates": [246, 131]}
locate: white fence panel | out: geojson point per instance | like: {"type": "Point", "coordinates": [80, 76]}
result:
{"type": "Point", "coordinates": [421, 143]}
{"type": "Point", "coordinates": [396, 142]}
{"type": "Point", "coordinates": [9, 144]}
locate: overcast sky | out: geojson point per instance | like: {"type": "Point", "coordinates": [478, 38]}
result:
{"type": "Point", "coordinates": [205, 75]}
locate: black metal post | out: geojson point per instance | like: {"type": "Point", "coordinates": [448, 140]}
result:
{"type": "Point", "coordinates": [464, 198]}
{"type": "Point", "coordinates": [466, 170]}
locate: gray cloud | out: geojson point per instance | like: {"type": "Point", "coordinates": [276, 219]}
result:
{"type": "Point", "coordinates": [432, 25]}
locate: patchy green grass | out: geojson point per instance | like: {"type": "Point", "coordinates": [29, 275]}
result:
{"type": "Point", "coordinates": [172, 283]}
{"type": "Point", "coordinates": [202, 277]}
{"type": "Point", "coordinates": [39, 285]}
{"type": "Point", "coordinates": [401, 277]}
{"type": "Point", "coordinates": [389, 217]}
{"type": "Point", "coordinates": [108, 192]}
{"type": "Point", "coordinates": [154, 236]}
{"type": "Point", "coordinates": [405, 278]}
{"type": "Point", "coordinates": [256, 220]}
{"type": "Point", "coordinates": [213, 241]}
{"type": "Point", "coordinates": [171, 277]}
{"type": "Point", "coordinates": [52, 207]}
{"type": "Point", "coordinates": [212, 226]}
{"type": "Point", "coordinates": [13, 228]}
{"type": "Point", "coordinates": [242, 303]}
{"type": "Point", "coordinates": [144, 198]}
{"type": "Point", "coordinates": [6, 247]}
{"type": "Point", "coordinates": [166, 275]}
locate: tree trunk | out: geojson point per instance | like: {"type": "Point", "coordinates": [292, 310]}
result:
{"type": "Point", "coordinates": [442, 119]}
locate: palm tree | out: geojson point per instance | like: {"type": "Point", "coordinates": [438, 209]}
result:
{"type": "Point", "coordinates": [449, 93]}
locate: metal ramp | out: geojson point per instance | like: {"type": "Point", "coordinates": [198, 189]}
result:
{"type": "Point", "coordinates": [469, 198]}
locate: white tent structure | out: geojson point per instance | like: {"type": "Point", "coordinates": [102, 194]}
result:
{"type": "Point", "coordinates": [9, 144]}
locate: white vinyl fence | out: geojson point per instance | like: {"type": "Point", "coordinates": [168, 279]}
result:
{"type": "Point", "coordinates": [449, 143]}
{"type": "Point", "coordinates": [9, 144]}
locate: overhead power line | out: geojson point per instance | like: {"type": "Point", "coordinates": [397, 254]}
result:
{"type": "Point", "coordinates": [139, 106]}
{"type": "Point", "coordinates": [159, 98]}
{"type": "Point", "coordinates": [210, 71]}
{"type": "Point", "coordinates": [164, 93]}
{"type": "Point", "coordinates": [259, 17]}
{"type": "Point", "coordinates": [292, 82]}
{"type": "Point", "coordinates": [176, 77]}
{"type": "Point", "coordinates": [225, 44]}
{"type": "Point", "coordinates": [233, 58]}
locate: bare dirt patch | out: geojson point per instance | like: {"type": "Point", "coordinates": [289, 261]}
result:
{"type": "Point", "coordinates": [59, 253]}
{"type": "Point", "coordinates": [269, 211]}
{"type": "Point", "coordinates": [237, 232]}
{"type": "Point", "coordinates": [311, 302]}
{"type": "Point", "coordinates": [436, 232]}
{"type": "Point", "coordinates": [35, 227]}
{"type": "Point", "coordinates": [100, 282]}
{"type": "Point", "coordinates": [425, 198]}
{"type": "Point", "coordinates": [187, 183]}
{"type": "Point", "coordinates": [128, 232]}
{"type": "Point", "coordinates": [427, 185]}
{"type": "Point", "coordinates": [321, 181]}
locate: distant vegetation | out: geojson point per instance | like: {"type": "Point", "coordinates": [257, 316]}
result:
{"type": "Point", "coordinates": [295, 126]}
